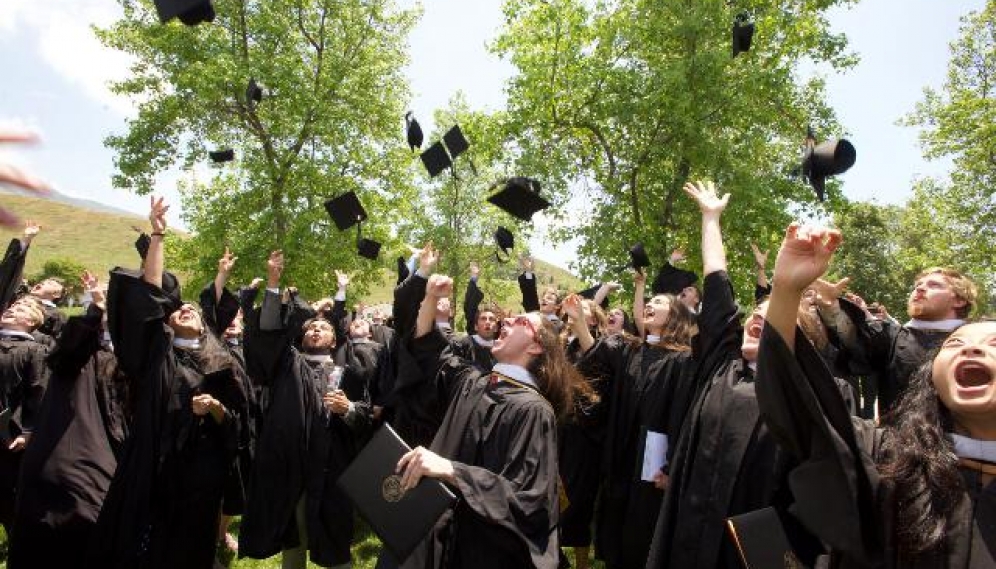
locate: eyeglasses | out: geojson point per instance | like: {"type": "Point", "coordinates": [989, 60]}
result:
{"type": "Point", "coordinates": [523, 320]}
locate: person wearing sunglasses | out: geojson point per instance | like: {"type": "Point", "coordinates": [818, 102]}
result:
{"type": "Point", "coordinates": [496, 446]}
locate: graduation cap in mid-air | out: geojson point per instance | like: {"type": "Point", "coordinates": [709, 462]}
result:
{"type": "Point", "coordinates": [505, 241]}
{"type": "Point", "coordinates": [254, 93]}
{"type": "Point", "coordinates": [347, 211]}
{"type": "Point", "coordinates": [220, 156]}
{"type": "Point", "coordinates": [828, 158]}
{"type": "Point", "coordinates": [190, 12]}
{"type": "Point", "coordinates": [441, 154]}
{"type": "Point", "coordinates": [519, 196]}
{"type": "Point", "coordinates": [743, 33]}
{"type": "Point", "coordinates": [413, 132]}
{"type": "Point", "coordinates": [638, 257]}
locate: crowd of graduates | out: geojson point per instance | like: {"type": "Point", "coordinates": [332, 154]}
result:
{"type": "Point", "coordinates": [133, 432]}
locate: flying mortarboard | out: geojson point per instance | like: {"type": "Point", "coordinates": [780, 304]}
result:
{"type": "Point", "coordinates": [190, 12]}
{"type": "Point", "coordinates": [638, 256]}
{"type": "Point", "coordinates": [455, 142]}
{"type": "Point", "coordinates": [519, 197]}
{"type": "Point", "coordinates": [346, 210]}
{"type": "Point", "coordinates": [219, 156]}
{"type": "Point", "coordinates": [254, 92]}
{"type": "Point", "coordinates": [368, 249]}
{"type": "Point", "coordinates": [505, 241]}
{"type": "Point", "coordinates": [743, 33]}
{"type": "Point", "coordinates": [413, 132]}
{"type": "Point", "coordinates": [829, 158]}
{"type": "Point", "coordinates": [436, 159]}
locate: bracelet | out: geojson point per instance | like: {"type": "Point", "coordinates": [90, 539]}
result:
{"type": "Point", "coordinates": [157, 234]}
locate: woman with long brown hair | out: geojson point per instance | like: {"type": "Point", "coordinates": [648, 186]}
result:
{"type": "Point", "coordinates": [646, 392]}
{"type": "Point", "coordinates": [917, 493]}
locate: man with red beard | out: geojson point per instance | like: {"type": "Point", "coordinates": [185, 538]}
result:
{"type": "Point", "coordinates": [941, 300]}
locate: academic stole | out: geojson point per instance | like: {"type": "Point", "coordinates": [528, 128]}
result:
{"type": "Point", "coordinates": [496, 378]}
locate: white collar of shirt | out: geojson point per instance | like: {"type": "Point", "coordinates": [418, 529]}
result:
{"type": "Point", "coordinates": [967, 447]}
{"type": "Point", "coordinates": [518, 373]}
{"type": "Point", "coordinates": [445, 326]}
{"type": "Point", "coordinates": [942, 325]}
{"type": "Point", "coordinates": [360, 340]}
{"type": "Point", "coordinates": [482, 342]}
{"type": "Point", "coordinates": [552, 317]}
{"type": "Point", "coordinates": [187, 344]}
{"type": "Point", "coordinates": [233, 341]}
{"type": "Point", "coordinates": [16, 334]}
{"type": "Point", "coordinates": [47, 303]}
{"type": "Point", "coordinates": [317, 358]}
{"type": "Point", "coordinates": [653, 339]}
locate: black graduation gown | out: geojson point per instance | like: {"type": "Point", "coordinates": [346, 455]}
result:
{"type": "Point", "coordinates": [501, 438]}
{"type": "Point", "coordinates": [726, 462]}
{"type": "Point", "coordinates": [218, 315]}
{"type": "Point", "coordinates": [11, 269]}
{"type": "Point", "coordinates": [647, 388]}
{"type": "Point", "coordinates": [467, 348]}
{"type": "Point", "coordinates": [23, 378]}
{"type": "Point", "coordinates": [891, 351]}
{"type": "Point", "coordinates": [302, 448]}
{"type": "Point", "coordinates": [840, 496]}
{"type": "Point", "coordinates": [54, 321]}
{"type": "Point", "coordinates": [68, 467]}
{"type": "Point", "coordinates": [164, 502]}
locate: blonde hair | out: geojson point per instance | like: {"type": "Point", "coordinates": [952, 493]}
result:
{"type": "Point", "coordinates": [963, 287]}
{"type": "Point", "coordinates": [35, 307]}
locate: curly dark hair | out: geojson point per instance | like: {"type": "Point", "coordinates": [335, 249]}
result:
{"type": "Point", "coordinates": [919, 461]}
{"type": "Point", "coordinates": [560, 382]}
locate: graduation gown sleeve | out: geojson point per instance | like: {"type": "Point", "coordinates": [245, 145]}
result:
{"type": "Point", "coordinates": [11, 269]}
{"type": "Point", "coordinates": [471, 300]}
{"type": "Point", "coordinates": [836, 482]}
{"type": "Point", "coordinates": [530, 296]}
{"type": "Point", "coordinates": [218, 313]}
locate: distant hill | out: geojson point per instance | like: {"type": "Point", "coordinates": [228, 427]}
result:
{"type": "Point", "coordinates": [98, 236]}
{"type": "Point", "coordinates": [101, 237]}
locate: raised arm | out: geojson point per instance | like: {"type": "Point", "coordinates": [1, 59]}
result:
{"type": "Point", "coordinates": [572, 306]}
{"type": "Point", "coordinates": [269, 317]}
{"type": "Point", "coordinates": [154, 259]}
{"type": "Point", "coordinates": [14, 176]}
{"type": "Point", "coordinates": [762, 287]}
{"type": "Point", "coordinates": [527, 286]}
{"type": "Point", "coordinates": [472, 299]}
{"type": "Point", "coordinates": [603, 292]}
{"type": "Point", "coordinates": [438, 287]}
{"type": "Point", "coordinates": [225, 265]}
{"type": "Point", "coordinates": [639, 288]}
{"type": "Point", "coordinates": [711, 206]}
{"type": "Point", "coordinates": [804, 256]}
{"type": "Point", "coordinates": [12, 266]}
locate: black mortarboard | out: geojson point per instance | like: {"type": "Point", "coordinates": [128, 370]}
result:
{"type": "Point", "coordinates": [254, 92]}
{"type": "Point", "coordinates": [436, 159]}
{"type": "Point", "coordinates": [520, 197]}
{"type": "Point", "coordinates": [368, 249]}
{"type": "Point", "coordinates": [590, 293]}
{"type": "Point", "coordinates": [142, 244]}
{"type": "Point", "coordinates": [743, 33]}
{"type": "Point", "coordinates": [455, 142]}
{"type": "Point", "coordinates": [190, 12]}
{"type": "Point", "coordinates": [505, 241]}
{"type": "Point", "coordinates": [346, 210]}
{"type": "Point", "coordinates": [218, 156]}
{"type": "Point", "coordinates": [638, 256]}
{"type": "Point", "coordinates": [827, 159]}
{"type": "Point", "coordinates": [413, 132]}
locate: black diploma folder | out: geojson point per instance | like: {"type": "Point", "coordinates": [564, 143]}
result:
{"type": "Point", "coordinates": [762, 538]}
{"type": "Point", "coordinates": [400, 520]}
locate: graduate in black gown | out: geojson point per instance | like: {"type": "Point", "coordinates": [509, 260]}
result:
{"type": "Point", "coordinates": [726, 463]}
{"type": "Point", "coordinates": [164, 503]}
{"type": "Point", "coordinates": [496, 446]}
{"type": "Point", "coordinates": [309, 436]}
{"type": "Point", "coordinates": [482, 326]}
{"type": "Point", "coordinates": [918, 493]}
{"type": "Point", "coordinates": [80, 429]}
{"type": "Point", "coordinates": [23, 376]}
{"type": "Point", "coordinates": [647, 389]}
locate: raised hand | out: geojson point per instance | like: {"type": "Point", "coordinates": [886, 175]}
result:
{"type": "Point", "coordinates": [475, 270]}
{"type": "Point", "coordinates": [157, 214]}
{"type": "Point", "coordinates": [227, 262]}
{"type": "Point", "coordinates": [827, 292]}
{"type": "Point", "coordinates": [427, 258]}
{"type": "Point", "coordinates": [15, 177]}
{"type": "Point", "coordinates": [639, 277]}
{"type": "Point", "coordinates": [31, 230]}
{"type": "Point", "coordinates": [92, 285]}
{"type": "Point", "coordinates": [526, 264]}
{"type": "Point", "coordinates": [760, 257]}
{"type": "Point", "coordinates": [274, 268]}
{"type": "Point", "coordinates": [704, 194]}
{"type": "Point", "coordinates": [342, 279]}
{"type": "Point", "coordinates": [572, 308]}
{"type": "Point", "coordinates": [677, 256]}
{"type": "Point", "coordinates": [256, 282]}
{"type": "Point", "coordinates": [439, 286]}
{"type": "Point", "coordinates": [804, 256]}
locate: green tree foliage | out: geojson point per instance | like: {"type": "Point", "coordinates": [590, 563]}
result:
{"type": "Point", "coordinates": [956, 218]}
{"type": "Point", "coordinates": [617, 103]}
{"type": "Point", "coordinates": [330, 121]}
{"type": "Point", "coordinates": [870, 252]}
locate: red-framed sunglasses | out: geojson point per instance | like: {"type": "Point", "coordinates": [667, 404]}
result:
{"type": "Point", "coordinates": [523, 320]}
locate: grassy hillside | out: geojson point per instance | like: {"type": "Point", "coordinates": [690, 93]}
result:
{"type": "Point", "coordinates": [101, 240]}
{"type": "Point", "coordinates": [98, 240]}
